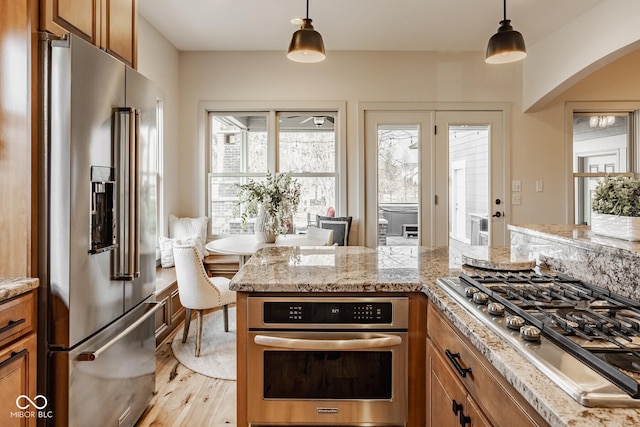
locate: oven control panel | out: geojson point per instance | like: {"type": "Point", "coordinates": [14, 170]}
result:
{"type": "Point", "coordinates": [328, 312]}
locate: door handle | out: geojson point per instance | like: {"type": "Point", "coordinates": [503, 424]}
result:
{"type": "Point", "coordinates": [90, 356]}
{"type": "Point", "coordinates": [456, 407]}
{"type": "Point", "coordinates": [498, 214]}
{"type": "Point", "coordinates": [311, 344]}
{"type": "Point", "coordinates": [453, 358]}
{"type": "Point", "coordinates": [125, 152]}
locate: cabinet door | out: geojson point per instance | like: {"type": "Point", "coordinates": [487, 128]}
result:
{"type": "Point", "coordinates": [446, 397]}
{"type": "Point", "coordinates": [119, 29]}
{"type": "Point", "coordinates": [476, 417]}
{"type": "Point", "coordinates": [75, 16]}
{"type": "Point", "coordinates": [18, 378]}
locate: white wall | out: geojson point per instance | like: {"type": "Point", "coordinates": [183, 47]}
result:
{"type": "Point", "coordinates": [537, 139]}
{"type": "Point", "coordinates": [159, 61]}
{"type": "Point", "coordinates": [603, 34]}
{"type": "Point", "coordinates": [345, 76]}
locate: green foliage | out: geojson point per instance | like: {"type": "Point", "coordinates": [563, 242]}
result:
{"type": "Point", "coordinates": [618, 195]}
{"type": "Point", "coordinates": [278, 196]}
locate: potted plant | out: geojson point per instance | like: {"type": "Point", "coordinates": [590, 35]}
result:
{"type": "Point", "coordinates": [273, 202]}
{"type": "Point", "coordinates": [616, 208]}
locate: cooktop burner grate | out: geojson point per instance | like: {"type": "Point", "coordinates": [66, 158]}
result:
{"type": "Point", "coordinates": [585, 338]}
{"type": "Point", "coordinates": [562, 307]}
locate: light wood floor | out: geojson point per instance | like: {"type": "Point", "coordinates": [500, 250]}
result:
{"type": "Point", "coordinates": [186, 398]}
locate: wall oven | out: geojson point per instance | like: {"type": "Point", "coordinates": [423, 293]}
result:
{"type": "Point", "coordinates": [334, 361]}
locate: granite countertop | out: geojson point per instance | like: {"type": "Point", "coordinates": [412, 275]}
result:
{"type": "Point", "coordinates": [13, 286]}
{"type": "Point", "coordinates": [497, 258]}
{"type": "Point", "coordinates": [343, 269]}
{"type": "Point", "coordinates": [578, 236]}
{"type": "Point", "coordinates": [415, 269]}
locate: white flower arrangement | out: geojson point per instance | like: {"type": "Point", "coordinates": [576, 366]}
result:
{"type": "Point", "coordinates": [278, 196]}
{"type": "Point", "coordinates": [617, 195]}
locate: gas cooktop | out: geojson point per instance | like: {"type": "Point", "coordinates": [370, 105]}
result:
{"type": "Point", "coordinates": [585, 338]}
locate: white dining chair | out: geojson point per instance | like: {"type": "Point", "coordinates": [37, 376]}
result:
{"type": "Point", "coordinates": [199, 292]}
{"type": "Point", "coordinates": [321, 235]}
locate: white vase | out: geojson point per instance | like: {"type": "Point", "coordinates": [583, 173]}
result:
{"type": "Point", "coordinates": [620, 227]}
{"type": "Point", "coordinates": [260, 229]}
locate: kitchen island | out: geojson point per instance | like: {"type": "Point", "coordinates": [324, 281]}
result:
{"type": "Point", "coordinates": [410, 271]}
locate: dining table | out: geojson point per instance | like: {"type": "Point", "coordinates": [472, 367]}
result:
{"type": "Point", "coordinates": [245, 245]}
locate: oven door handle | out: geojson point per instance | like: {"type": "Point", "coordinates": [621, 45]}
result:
{"type": "Point", "coordinates": [348, 344]}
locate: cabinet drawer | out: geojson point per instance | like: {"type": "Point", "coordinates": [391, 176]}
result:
{"type": "Point", "coordinates": [17, 378]}
{"type": "Point", "coordinates": [17, 317]}
{"type": "Point", "coordinates": [489, 389]}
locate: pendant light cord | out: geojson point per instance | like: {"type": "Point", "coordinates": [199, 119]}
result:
{"type": "Point", "coordinates": [308, 8]}
{"type": "Point", "coordinates": [504, 8]}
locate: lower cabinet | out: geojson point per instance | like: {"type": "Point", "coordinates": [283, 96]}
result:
{"type": "Point", "coordinates": [172, 313]}
{"type": "Point", "coordinates": [449, 401]}
{"type": "Point", "coordinates": [19, 404]}
{"type": "Point", "coordinates": [463, 389]}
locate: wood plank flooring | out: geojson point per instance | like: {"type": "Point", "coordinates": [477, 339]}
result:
{"type": "Point", "coordinates": [186, 398]}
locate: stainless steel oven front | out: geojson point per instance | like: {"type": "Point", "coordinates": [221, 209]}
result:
{"type": "Point", "coordinates": [327, 361]}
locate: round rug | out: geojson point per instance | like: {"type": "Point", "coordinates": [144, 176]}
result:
{"type": "Point", "coordinates": [217, 350]}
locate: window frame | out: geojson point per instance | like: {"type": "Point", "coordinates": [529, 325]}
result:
{"type": "Point", "coordinates": [272, 108]}
{"type": "Point", "coordinates": [159, 174]}
{"type": "Point", "coordinates": [632, 108]}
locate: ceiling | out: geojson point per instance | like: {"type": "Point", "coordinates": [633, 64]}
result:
{"type": "Point", "coordinates": [348, 25]}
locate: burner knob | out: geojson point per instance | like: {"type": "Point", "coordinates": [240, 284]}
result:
{"type": "Point", "coordinates": [530, 333]}
{"type": "Point", "coordinates": [495, 309]}
{"type": "Point", "coordinates": [480, 298]}
{"type": "Point", "coordinates": [469, 291]}
{"type": "Point", "coordinates": [515, 322]}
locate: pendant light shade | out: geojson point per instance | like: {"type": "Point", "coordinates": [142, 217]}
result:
{"type": "Point", "coordinates": [507, 45]}
{"type": "Point", "coordinates": [306, 43]}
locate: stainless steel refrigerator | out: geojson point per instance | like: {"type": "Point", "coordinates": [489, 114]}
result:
{"type": "Point", "coordinates": [96, 237]}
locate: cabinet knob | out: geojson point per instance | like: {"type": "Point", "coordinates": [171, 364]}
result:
{"type": "Point", "coordinates": [464, 419]}
{"type": "Point", "coordinates": [456, 407]}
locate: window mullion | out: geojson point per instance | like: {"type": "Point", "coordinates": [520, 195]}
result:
{"type": "Point", "coordinates": [272, 145]}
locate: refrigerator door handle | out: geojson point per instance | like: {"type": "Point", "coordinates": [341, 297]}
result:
{"type": "Point", "coordinates": [126, 258]}
{"type": "Point", "coordinates": [90, 356]}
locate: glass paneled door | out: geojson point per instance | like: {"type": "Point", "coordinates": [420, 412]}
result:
{"type": "Point", "coordinates": [429, 188]}
{"type": "Point", "coordinates": [471, 188]}
{"type": "Point", "coordinates": [398, 170]}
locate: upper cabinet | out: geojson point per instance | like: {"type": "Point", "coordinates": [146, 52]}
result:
{"type": "Point", "coordinates": [108, 24]}
{"type": "Point", "coordinates": [119, 29]}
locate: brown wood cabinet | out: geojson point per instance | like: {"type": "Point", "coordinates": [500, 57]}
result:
{"type": "Point", "coordinates": [18, 360]}
{"type": "Point", "coordinates": [172, 313]}
{"type": "Point", "coordinates": [18, 134]}
{"type": "Point", "coordinates": [108, 24]}
{"type": "Point", "coordinates": [463, 389]}
{"type": "Point", "coordinates": [455, 407]}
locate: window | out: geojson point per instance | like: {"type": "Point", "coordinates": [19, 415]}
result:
{"type": "Point", "coordinates": [151, 178]}
{"type": "Point", "coordinates": [603, 144]}
{"type": "Point", "coordinates": [248, 145]}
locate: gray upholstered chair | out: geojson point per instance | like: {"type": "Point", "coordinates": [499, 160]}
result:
{"type": "Point", "coordinates": [199, 292]}
{"type": "Point", "coordinates": [340, 225]}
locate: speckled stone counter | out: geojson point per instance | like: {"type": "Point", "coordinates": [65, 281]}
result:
{"type": "Point", "coordinates": [13, 286]}
{"type": "Point", "coordinates": [344, 269]}
{"type": "Point", "coordinates": [573, 249]}
{"type": "Point", "coordinates": [415, 269]}
{"type": "Point", "coordinates": [497, 258]}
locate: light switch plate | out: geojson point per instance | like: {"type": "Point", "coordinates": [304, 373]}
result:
{"type": "Point", "coordinates": [539, 186]}
{"type": "Point", "coordinates": [516, 185]}
{"type": "Point", "coordinates": [516, 198]}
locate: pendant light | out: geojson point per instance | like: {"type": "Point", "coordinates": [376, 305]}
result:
{"type": "Point", "coordinates": [507, 45]}
{"type": "Point", "coordinates": [306, 43]}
